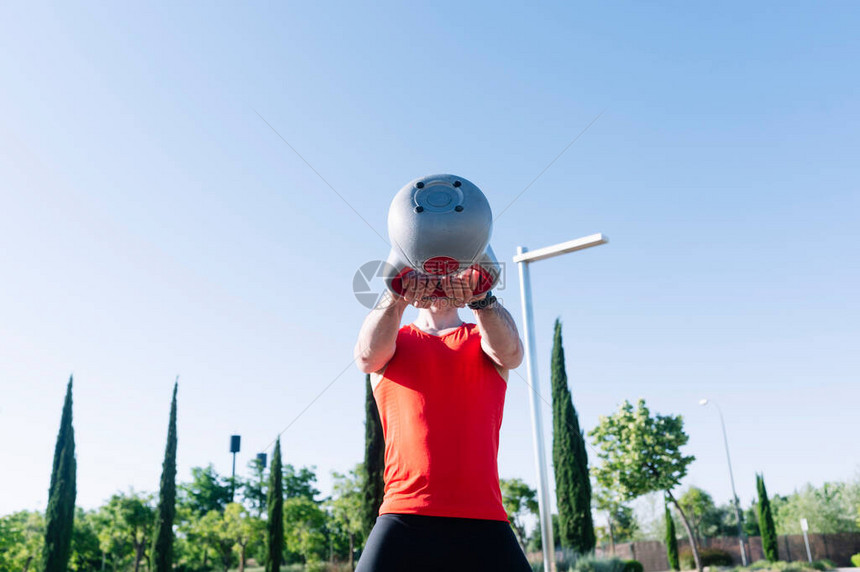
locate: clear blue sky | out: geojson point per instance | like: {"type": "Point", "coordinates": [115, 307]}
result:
{"type": "Point", "coordinates": [152, 224]}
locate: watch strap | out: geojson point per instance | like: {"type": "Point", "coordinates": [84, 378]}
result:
{"type": "Point", "coordinates": [484, 302]}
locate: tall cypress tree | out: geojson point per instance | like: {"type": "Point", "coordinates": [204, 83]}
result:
{"type": "Point", "coordinates": [671, 540]}
{"type": "Point", "coordinates": [60, 516]}
{"type": "Point", "coordinates": [275, 506]}
{"type": "Point", "coordinates": [570, 461]}
{"type": "Point", "coordinates": [765, 522]}
{"type": "Point", "coordinates": [162, 546]}
{"type": "Point", "coordinates": [374, 460]}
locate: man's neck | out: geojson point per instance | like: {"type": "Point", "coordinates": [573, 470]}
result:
{"type": "Point", "coordinates": [435, 320]}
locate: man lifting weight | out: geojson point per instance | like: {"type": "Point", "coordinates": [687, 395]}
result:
{"type": "Point", "coordinates": [439, 384]}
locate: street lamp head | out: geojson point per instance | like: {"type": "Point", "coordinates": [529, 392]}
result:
{"type": "Point", "coordinates": [703, 402]}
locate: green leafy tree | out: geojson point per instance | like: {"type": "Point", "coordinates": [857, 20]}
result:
{"type": "Point", "coordinates": [621, 525]}
{"type": "Point", "coordinates": [717, 520]}
{"type": "Point", "coordinates": [207, 491]}
{"type": "Point", "coordinates": [113, 540]}
{"type": "Point", "coordinates": [300, 482]}
{"type": "Point", "coordinates": [243, 528]}
{"type": "Point", "coordinates": [700, 509]}
{"type": "Point", "coordinates": [22, 538]}
{"type": "Point", "coordinates": [8, 537]}
{"type": "Point", "coordinates": [749, 525]}
{"type": "Point", "coordinates": [254, 487]}
{"type": "Point", "coordinates": [162, 548]}
{"type": "Point", "coordinates": [374, 460]}
{"type": "Point", "coordinates": [650, 517]}
{"type": "Point", "coordinates": [227, 531]}
{"type": "Point", "coordinates": [641, 453]}
{"type": "Point", "coordinates": [190, 549]}
{"type": "Point", "coordinates": [624, 523]}
{"type": "Point", "coordinates": [671, 540]}
{"type": "Point", "coordinates": [275, 509]}
{"type": "Point", "coordinates": [132, 518]}
{"type": "Point", "coordinates": [520, 501]}
{"type": "Point", "coordinates": [723, 521]}
{"type": "Point", "coordinates": [346, 507]}
{"type": "Point", "coordinates": [570, 461]}
{"type": "Point", "coordinates": [212, 528]}
{"type": "Point", "coordinates": [60, 516]}
{"type": "Point", "coordinates": [304, 528]}
{"type": "Point", "coordinates": [536, 541]}
{"type": "Point", "coordinates": [86, 551]}
{"type": "Point", "coordinates": [830, 508]}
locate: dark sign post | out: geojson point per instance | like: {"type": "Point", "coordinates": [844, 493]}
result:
{"type": "Point", "coordinates": [235, 446]}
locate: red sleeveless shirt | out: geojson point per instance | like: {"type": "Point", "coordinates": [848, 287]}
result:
{"type": "Point", "coordinates": [441, 401]}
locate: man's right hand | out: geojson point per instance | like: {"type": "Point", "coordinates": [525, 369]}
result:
{"type": "Point", "coordinates": [419, 289]}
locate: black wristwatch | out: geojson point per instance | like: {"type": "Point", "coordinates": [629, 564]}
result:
{"type": "Point", "coordinates": [484, 302]}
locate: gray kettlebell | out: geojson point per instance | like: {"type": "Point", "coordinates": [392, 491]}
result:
{"type": "Point", "coordinates": [440, 225]}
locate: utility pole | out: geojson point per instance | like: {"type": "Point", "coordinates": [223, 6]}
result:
{"type": "Point", "coordinates": [523, 258]}
{"type": "Point", "coordinates": [736, 502]}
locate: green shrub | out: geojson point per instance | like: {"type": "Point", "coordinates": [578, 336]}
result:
{"type": "Point", "coordinates": [855, 560]}
{"type": "Point", "coordinates": [708, 556]}
{"type": "Point", "coordinates": [594, 564]}
{"type": "Point", "coordinates": [782, 566]}
{"type": "Point", "coordinates": [633, 566]}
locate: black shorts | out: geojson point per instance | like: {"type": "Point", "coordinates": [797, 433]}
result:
{"type": "Point", "coordinates": [418, 543]}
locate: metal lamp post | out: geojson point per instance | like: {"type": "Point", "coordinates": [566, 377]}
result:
{"type": "Point", "coordinates": [235, 447]}
{"type": "Point", "coordinates": [523, 258]}
{"type": "Point", "coordinates": [704, 402]}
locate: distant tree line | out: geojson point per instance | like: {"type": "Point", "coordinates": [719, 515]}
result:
{"type": "Point", "coordinates": [280, 516]}
{"type": "Point", "coordinates": [214, 534]}
{"type": "Point", "coordinates": [833, 507]}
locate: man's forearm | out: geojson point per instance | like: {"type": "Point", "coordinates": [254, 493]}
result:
{"type": "Point", "coordinates": [499, 336]}
{"type": "Point", "coordinates": [378, 336]}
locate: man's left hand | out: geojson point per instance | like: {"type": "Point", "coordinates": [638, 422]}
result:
{"type": "Point", "coordinates": [459, 288]}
